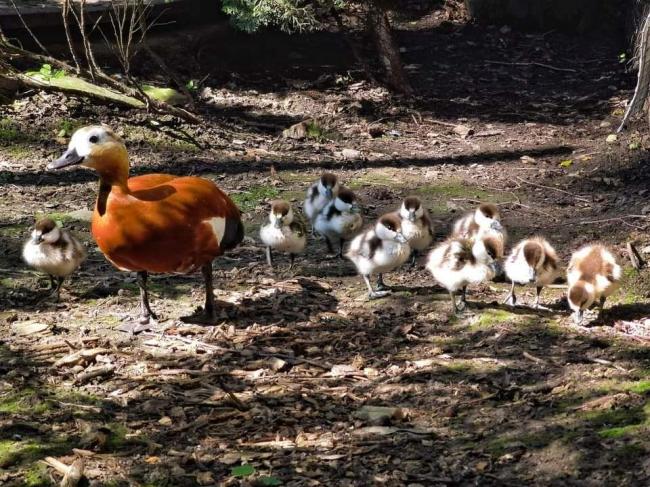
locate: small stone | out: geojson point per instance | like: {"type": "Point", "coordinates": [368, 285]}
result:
{"type": "Point", "coordinates": [463, 130]}
{"type": "Point", "coordinates": [605, 124]}
{"type": "Point", "coordinates": [205, 478]}
{"type": "Point", "coordinates": [611, 138]}
{"type": "Point", "coordinates": [165, 421]}
{"type": "Point", "coordinates": [645, 210]}
{"type": "Point", "coordinates": [350, 154]}
{"type": "Point", "coordinates": [296, 132]}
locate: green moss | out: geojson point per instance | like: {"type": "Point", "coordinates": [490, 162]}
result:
{"type": "Point", "coordinates": [623, 421]}
{"type": "Point", "coordinates": [641, 387]}
{"type": "Point", "coordinates": [249, 200]}
{"type": "Point", "coordinates": [492, 317]}
{"type": "Point", "coordinates": [28, 451]}
{"type": "Point", "coordinates": [374, 178]}
{"type": "Point", "coordinates": [167, 95]}
{"type": "Point", "coordinates": [37, 476]}
{"type": "Point", "coordinates": [10, 131]}
{"type": "Point", "coordinates": [436, 196]}
{"type": "Point", "coordinates": [25, 401]}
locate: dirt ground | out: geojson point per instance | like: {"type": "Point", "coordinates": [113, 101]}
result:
{"type": "Point", "coordinates": [284, 390]}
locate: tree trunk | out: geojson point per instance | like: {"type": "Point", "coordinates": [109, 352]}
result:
{"type": "Point", "coordinates": [388, 52]}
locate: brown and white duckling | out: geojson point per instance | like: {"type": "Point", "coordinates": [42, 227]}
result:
{"type": "Point", "coordinates": [458, 263]}
{"type": "Point", "coordinates": [55, 251]}
{"type": "Point", "coordinates": [319, 195]}
{"type": "Point", "coordinates": [283, 233]}
{"type": "Point", "coordinates": [379, 249]}
{"type": "Point", "coordinates": [416, 226]}
{"type": "Point", "coordinates": [593, 275]}
{"type": "Point", "coordinates": [485, 218]}
{"type": "Point", "coordinates": [340, 220]}
{"type": "Point", "coordinates": [532, 261]}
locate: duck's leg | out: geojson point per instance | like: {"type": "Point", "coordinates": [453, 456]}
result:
{"type": "Point", "coordinates": [145, 309]}
{"type": "Point", "coordinates": [269, 257]}
{"type": "Point", "coordinates": [511, 299]}
{"type": "Point", "coordinates": [330, 248]}
{"type": "Point", "coordinates": [372, 294]}
{"type": "Point", "coordinates": [210, 307]}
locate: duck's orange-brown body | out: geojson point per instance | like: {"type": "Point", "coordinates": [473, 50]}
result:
{"type": "Point", "coordinates": [164, 223]}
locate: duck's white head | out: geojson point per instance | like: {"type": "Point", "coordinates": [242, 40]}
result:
{"type": "Point", "coordinates": [99, 148]}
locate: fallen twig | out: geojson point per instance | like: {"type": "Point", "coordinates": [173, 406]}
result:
{"type": "Point", "coordinates": [637, 261]}
{"type": "Point", "coordinates": [534, 63]}
{"type": "Point", "coordinates": [581, 198]}
{"type": "Point", "coordinates": [74, 474]}
{"type": "Point", "coordinates": [84, 355]}
{"type": "Point", "coordinates": [93, 372]}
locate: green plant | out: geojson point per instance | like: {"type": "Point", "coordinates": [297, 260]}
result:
{"type": "Point", "coordinates": [47, 73]}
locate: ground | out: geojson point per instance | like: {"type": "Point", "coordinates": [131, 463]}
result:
{"type": "Point", "coordinates": [281, 391]}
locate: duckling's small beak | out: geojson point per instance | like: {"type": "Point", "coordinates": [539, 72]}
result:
{"type": "Point", "coordinates": [411, 216]}
{"type": "Point", "coordinates": [69, 158]}
{"type": "Point", "coordinates": [278, 223]}
{"type": "Point", "coordinates": [37, 239]}
{"type": "Point", "coordinates": [400, 238]}
{"type": "Point", "coordinates": [329, 193]}
{"type": "Point", "coordinates": [355, 208]}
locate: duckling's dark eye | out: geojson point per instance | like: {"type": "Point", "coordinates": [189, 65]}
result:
{"type": "Point", "coordinates": [93, 139]}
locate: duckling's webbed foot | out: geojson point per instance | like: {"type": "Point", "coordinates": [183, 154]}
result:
{"type": "Point", "coordinates": [372, 294]}
{"type": "Point", "coordinates": [511, 298]}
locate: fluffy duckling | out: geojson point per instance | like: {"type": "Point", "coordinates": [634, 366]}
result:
{"type": "Point", "coordinates": [54, 251]}
{"type": "Point", "coordinates": [593, 275]}
{"type": "Point", "coordinates": [457, 263]}
{"type": "Point", "coordinates": [532, 261]}
{"type": "Point", "coordinates": [416, 226]}
{"type": "Point", "coordinates": [340, 220]}
{"type": "Point", "coordinates": [379, 249]}
{"type": "Point", "coordinates": [319, 195]}
{"type": "Point", "coordinates": [159, 223]}
{"type": "Point", "coordinates": [485, 218]}
{"type": "Point", "coordinates": [283, 232]}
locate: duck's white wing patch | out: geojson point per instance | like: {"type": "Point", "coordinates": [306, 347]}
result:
{"type": "Point", "coordinates": [218, 225]}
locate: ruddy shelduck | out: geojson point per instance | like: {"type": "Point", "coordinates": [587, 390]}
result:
{"type": "Point", "coordinates": [155, 222]}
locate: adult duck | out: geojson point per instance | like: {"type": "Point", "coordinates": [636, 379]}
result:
{"type": "Point", "coordinates": [155, 222]}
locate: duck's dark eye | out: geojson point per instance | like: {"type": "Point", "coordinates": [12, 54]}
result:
{"type": "Point", "coordinates": [93, 139]}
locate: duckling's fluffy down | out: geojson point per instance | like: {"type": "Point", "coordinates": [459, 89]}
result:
{"type": "Point", "coordinates": [545, 270]}
{"type": "Point", "coordinates": [372, 255]}
{"type": "Point", "coordinates": [59, 259]}
{"type": "Point", "coordinates": [453, 265]}
{"type": "Point", "coordinates": [283, 239]}
{"type": "Point", "coordinates": [593, 273]}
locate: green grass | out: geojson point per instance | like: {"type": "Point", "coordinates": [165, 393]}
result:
{"type": "Point", "coordinates": [250, 200]}
{"type": "Point", "coordinates": [28, 451]}
{"type": "Point", "coordinates": [37, 476]}
{"type": "Point", "coordinates": [492, 317]}
{"type": "Point", "coordinates": [25, 401]}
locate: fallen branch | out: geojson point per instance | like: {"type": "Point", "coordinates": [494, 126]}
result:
{"type": "Point", "coordinates": [637, 261]}
{"type": "Point", "coordinates": [75, 473]}
{"type": "Point", "coordinates": [94, 372]}
{"type": "Point", "coordinates": [85, 355]}
{"type": "Point", "coordinates": [541, 65]}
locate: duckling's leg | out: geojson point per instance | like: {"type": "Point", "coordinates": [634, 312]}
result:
{"type": "Point", "coordinates": [454, 307]}
{"type": "Point", "coordinates": [57, 291]}
{"type": "Point", "coordinates": [269, 257]}
{"type": "Point", "coordinates": [330, 248]}
{"type": "Point", "coordinates": [145, 309]}
{"type": "Point", "coordinates": [341, 242]}
{"type": "Point", "coordinates": [462, 304]}
{"type": "Point", "coordinates": [292, 259]}
{"type": "Point", "coordinates": [511, 299]}
{"type": "Point", "coordinates": [538, 293]}
{"type": "Point", "coordinates": [371, 293]}
{"type": "Point", "coordinates": [414, 258]}
{"type": "Point", "coordinates": [577, 317]}
{"type": "Point", "coordinates": [601, 306]}
{"type": "Point", "coordinates": [380, 283]}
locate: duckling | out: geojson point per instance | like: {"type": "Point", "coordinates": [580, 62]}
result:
{"type": "Point", "coordinates": [340, 220]}
{"type": "Point", "coordinates": [416, 226]}
{"type": "Point", "coordinates": [593, 275]}
{"type": "Point", "coordinates": [319, 195]}
{"type": "Point", "coordinates": [532, 261]}
{"type": "Point", "coordinates": [458, 262]}
{"type": "Point", "coordinates": [379, 249]}
{"type": "Point", "coordinates": [55, 251]}
{"type": "Point", "coordinates": [485, 218]}
{"type": "Point", "coordinates": [283, 232]}
{"type": "Point", "coordinates": [154, 222]}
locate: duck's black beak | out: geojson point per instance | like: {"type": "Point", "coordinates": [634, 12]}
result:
{"type": "Point", "coordinates": [69, 158]}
